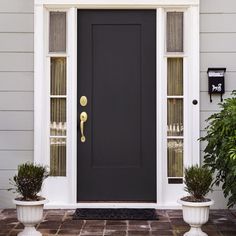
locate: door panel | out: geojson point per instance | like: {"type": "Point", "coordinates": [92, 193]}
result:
{"type": "Point", "coordinates": [116, 72]}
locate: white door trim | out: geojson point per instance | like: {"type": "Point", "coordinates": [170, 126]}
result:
{"type": "Point", "coordinates": [117, 4]}
{"type": "Point", "coordinates": [54, 185]}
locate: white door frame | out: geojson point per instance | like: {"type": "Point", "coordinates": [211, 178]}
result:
{"type": "Point", "coordinates": [62, 191]}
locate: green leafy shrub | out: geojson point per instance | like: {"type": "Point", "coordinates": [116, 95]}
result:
{"type": "Point", "coordinates": [198, 181]}
{"type": "Point", "coordinates": [28, 181]}
{"type": "Point", "coordinates": [220, 152]}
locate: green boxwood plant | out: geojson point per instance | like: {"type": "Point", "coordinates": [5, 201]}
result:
{"type": "Point", "coordinates": [220, 152]}
{"type": "Point", "coordinates": [197, 182]}
{"type": "Point", "coordinates": [28, 181]}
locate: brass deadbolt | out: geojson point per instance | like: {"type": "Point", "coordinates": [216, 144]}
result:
{"type": "Point", "coordinates": [83, 101]}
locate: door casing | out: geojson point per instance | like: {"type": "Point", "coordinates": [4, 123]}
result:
{"type": "Point", "coordinates": [53, 185]}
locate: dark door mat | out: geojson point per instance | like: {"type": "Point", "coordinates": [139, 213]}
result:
{"type": "Point", "coordinates": [115, 214]}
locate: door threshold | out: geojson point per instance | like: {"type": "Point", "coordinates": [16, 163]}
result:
{"type": "Point", "coordinates": [72, 206]}
{"type": "Point", "coordinates": [116, 202]}
{"type": "Point", "coordinates": [55, 205]}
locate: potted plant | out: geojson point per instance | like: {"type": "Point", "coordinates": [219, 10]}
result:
{"type": "Point", "coordinates": [28, 183]}
{"type": "Point", "coordinates": [220, 151]}
{"type": "Point", "coordinates": [196, 206]}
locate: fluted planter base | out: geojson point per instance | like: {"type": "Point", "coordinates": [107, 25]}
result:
{"type": "Point", "coordinates": [195, 231]}
{"type": "Point", "coordinates": [30, 213]}
{"type": "Point", "coordinates": [195, 214]}
{"type": "Point", "coordinates": [29, 231]}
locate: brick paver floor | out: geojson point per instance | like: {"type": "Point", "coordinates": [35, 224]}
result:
{"type": "Point", "coordinates": [59, 222]}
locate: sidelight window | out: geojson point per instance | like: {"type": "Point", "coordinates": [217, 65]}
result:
{"type": "Point", "coordinates": [58, 93]}
{"type": "Point", "coordinates": [175, 96]}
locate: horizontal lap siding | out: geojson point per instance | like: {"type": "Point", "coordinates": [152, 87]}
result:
{"type": "Point", "coordinates": [16, 81]}
{"type": "Point", "coordinates": [15, 42]}
{"type": "Point", "coordinates": [16, 23]}
{"type": "Point", "coordinates": [16, 61]}
{"type": "Point", "coordinates": [16, 120]}
{"type": "Point", "coordinates": [217, 49]}
{"type": "Point", "coordinates": [16, 6]}
{"type": "Point", "coordinates": [218, 6]}
{"type": "Point", "coordinates": [16, 90]}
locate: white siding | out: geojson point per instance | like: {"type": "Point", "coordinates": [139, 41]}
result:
{"type": "Point", "coordinates": [218, 6]}
{"type": "Point", "coordinates": [16, 140]}
{"type": "Point", "coordinates": [12, 61]}
{"type": "Point", "coordinates": [217, 49]}
{"type": "Point", "coordinates": [16, 81]}
{"type": "Point", "coordinates": [16, 101]}
{"type": "Point", "coordinates": [11, 159]}
{"type": "Point", "coordinates": [17, 6]}
{"type": "Point", "coordinates": [218, 42]}
{"type": "Point", "coordinates": [216, 59]}
{"type": "Point", "coordinates": [16, 120]}
{"type": "Point", "coordinates": [4, 181]}
{"type": "Point", "coordinates": [16, 90]}
{"type": "Point", "coordinates": [217, 23]}
{"type": "Point", "coordinates": [15, 22]}
{"type": "Point", "coordinates": [16, 42]}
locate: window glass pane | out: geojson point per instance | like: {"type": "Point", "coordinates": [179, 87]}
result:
{"type": "Point", "coordinates": [58, 156]}
{"type": "Point", "coordinates": [174, 31]}
{"type": "Point", "coordinates": [57, 32]}
{"type": "Point", "coordinates": [58, 116]}
{"type": "Point", "coordinates": [174, 76]}
{"type": "Point", "coordinates": [175, 117]}
{"type": "Point", "coordinates": [58, 76]}
{"type": "Point", "coordinates": [175, 157]}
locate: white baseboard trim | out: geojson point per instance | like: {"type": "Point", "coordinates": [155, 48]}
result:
{"type": "Point", "coordinates": [60, 205]}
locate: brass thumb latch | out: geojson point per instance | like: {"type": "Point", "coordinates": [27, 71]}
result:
{"type": "Point", "coordinates": [83, 119]}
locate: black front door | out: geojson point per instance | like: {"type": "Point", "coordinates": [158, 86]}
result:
{"type": "Point", "coordinates": [117, 74]}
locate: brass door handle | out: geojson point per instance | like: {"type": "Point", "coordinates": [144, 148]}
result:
{"type": "Point", "coordinates": [83, 119]}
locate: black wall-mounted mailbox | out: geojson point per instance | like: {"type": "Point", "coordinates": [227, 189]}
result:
{"type": "Point", "coordinates": [216, 81]}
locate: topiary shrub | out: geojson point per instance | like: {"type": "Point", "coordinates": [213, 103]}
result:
{"type": "Point", "coordinates": [28, 181]}
{"type": "Point", "coordinates": [198, 181]}
{"type": "Point", "coordinates": [220, 152]}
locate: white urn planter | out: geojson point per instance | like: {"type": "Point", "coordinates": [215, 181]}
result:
{"type": "Point", "coordinates": [30, 213]}
{"type": "Point", "coordinates": [195, 214]}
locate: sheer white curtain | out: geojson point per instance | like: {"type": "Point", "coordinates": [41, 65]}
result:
{"type": "Point", "coordinates": [57, 32]}
{"type": "Point", "coordinates": [58, 117]}
{"type": "Point", "coordinates": [174, 31]}
{"type": "Point", "coordinates": [175, 77]}
{"type": "Point", "coordinates": [175, 121]}
{"type": "Point", "coordinates": [58, 156]}
{"type": "Point", "coordinates": [58, 76]}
